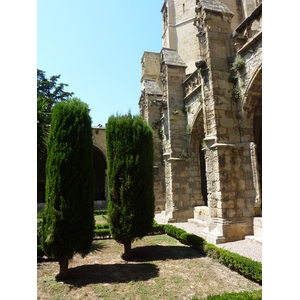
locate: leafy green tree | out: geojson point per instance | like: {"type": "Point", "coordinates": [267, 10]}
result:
{"type": "Point", "coordinates": [129, 144]}
{"type": "Point", "coordinates": [48, 93]}
{"type": "Point", "coordinates": [68, 220]}
{"type": "Point", "coordinates": [50, 90]}
{"type": "Point", "coordinates": [41, 129]}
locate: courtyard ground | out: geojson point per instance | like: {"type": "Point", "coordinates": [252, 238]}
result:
{"type": "Point", "coordinates": [162, 268]}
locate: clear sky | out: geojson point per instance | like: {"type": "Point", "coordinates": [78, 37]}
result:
{"type": "Point", "coordinates": [96, 46]}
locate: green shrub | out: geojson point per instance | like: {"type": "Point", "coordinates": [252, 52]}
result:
{"type": "Point", "coordinates": [130, 154]}
{"type": "Point", "coordinates": [239, 63]}
{"type": "Point", "coordinates": [157, 228]}
{"type": "Point", "coordinates": [243, 265]}
{"type": "Point", "coordinates": [184, 237]}
{"type": "Point", "coordinates": [253, 295]}
{"type": "Point", "coordinates": [40, 252]}
{"type": "Point", "coordinates": [100, 212]}
{"type": "Point", "coordinates": [233, 78]}
{"type": "Point", "coordinates": [68, 220]}
{"type": "Point", "coordinates": [102, 233]}
{"type": "Point", "coordinates": [236, 93]}
{"type": "Point", "coordinates": [101, 226]}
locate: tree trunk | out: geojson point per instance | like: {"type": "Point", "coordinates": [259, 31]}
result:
{"type": "Point", "coordinates": [127, 251]}
{"type": "Point", "coordinates": [63, 268]}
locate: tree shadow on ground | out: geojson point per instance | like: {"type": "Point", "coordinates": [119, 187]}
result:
{"type": "Point", "coordinates": [157, 252]}
{"type": "Point", "coordinates": [96, 247]}
{"type": "Point", "coordinates": [116, 273]}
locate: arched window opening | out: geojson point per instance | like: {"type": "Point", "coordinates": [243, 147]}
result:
{"type": "Point", "coordinates": [99, 168]}
{"type": "Point", "coordinates": [203, 175]}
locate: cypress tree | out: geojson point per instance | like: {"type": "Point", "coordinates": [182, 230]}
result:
{"type": "Point", "coordinates": [68, 219]}
{"type": "Point", "coordinates": [129, 144]}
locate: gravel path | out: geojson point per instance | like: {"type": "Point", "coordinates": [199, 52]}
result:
{"type": "Point", "coordinates": [249, 248]}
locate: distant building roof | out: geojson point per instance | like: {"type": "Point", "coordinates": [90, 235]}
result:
{"type": "Point", "coordinates": [215, 5]}
{"type": "Point", "coordinates": [171, 57]}
{"type": "Point", "coordinates": [151, 87]}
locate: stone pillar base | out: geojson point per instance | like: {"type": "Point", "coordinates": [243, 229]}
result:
{"type": "Point", "coordinates": [222, 231]}
{"type": "Point", "coordinates": [257, 227]}
{"type": "Point", "coordinates": [182, 214]}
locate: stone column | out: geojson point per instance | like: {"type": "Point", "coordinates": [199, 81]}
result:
{"type": "Point", "coordinates": [223, 151]}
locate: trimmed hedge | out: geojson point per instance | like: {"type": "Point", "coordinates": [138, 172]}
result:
{"type": "Point", "coordinates": [243, 265]}
{"type": "Point", "coordinates": [253, 295]}
{"type": "Point", "coordinates": [157, 229]}
{"type": "Point", "coordinates": [102, 233]}
{"type": "Point", "coordinates": [100, 212]}
{"type": "Point", "coordinates": [101, 226]}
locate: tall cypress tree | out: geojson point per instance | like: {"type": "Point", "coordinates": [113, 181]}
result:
{"type": "Point", "coordinates": [68, 220]}
{"type": "Point", "coordinates": [129, 144]}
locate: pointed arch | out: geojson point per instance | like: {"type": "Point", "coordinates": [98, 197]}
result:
{"type": "Point", "coordinates": [197, 159]}
{"type": "Point", "coordinates": [100, 166]}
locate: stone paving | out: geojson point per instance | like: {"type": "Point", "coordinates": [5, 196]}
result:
{"type": "Point", "coordinates": [249, 247]}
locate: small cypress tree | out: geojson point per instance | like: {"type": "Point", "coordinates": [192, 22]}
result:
{"type": "Point", "coordinates": [68, 219]}
{"type": "Point", "coordinates": [129, 144]}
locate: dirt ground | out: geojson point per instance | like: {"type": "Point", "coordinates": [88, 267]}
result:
{"type": "Point", "coordinates": [162, 268]}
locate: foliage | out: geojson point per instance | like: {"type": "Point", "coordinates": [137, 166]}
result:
{"type": "Point", "coordinates": [233, 78]}
{"type": "Point", "coordinates": [42, 121]}
{"type": "Point", "coordinates": [48, 93]}
{"type": "Point", "coordinates": [101, 226]}
{"type": "Point", "coordinates": [68, 220]}
{"type": "Point", "coordinates": [239, 63]}
{"type": "Point", "coordinates": [253, 295]}
{"type": "Point", "coordinates": [130, 172]}
{"type": "Point", "coordinates": [102, 233]}
{"type": "Point", "coordinates": [236, 93]}
{"type": "Point", "coordinates": [50, 90]}
{"type": "Point", "coordinates": [188, 129]}
{"type": "Point", "coordinates": [161, 133]}
{"type": "Point", "coordinates": [188, 108]}
{"type": "Point", "coordinates": [157, 228]}
{"type": "Point", "coordinates": [40, 252]}
{"type": "Point", "coordinates": [200, 98]}
{"type": "Point", "coordinates": [100, 212]}
{"type": "Point", "coordinates": [243, 265]}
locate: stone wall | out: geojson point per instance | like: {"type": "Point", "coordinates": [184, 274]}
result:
{"type": "Point", "coordinates": [180, 34]}
{"type": "Point", "coordinates": [98, 135]}
{"type": "Point", "coordinates": [210, 140]}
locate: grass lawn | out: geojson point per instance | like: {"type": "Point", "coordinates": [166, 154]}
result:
{"type": "Point", "coordinates": [162, 268]}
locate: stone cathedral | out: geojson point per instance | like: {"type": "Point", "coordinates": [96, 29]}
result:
{"type": "Point", "coordinates": [202, 95]}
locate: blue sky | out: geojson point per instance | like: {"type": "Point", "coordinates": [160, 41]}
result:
{"type": "Point", "coordinates": [96, 47]}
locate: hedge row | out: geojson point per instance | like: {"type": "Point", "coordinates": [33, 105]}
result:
{"type": "Point", "coordinates": [100, 212]}
{"type": "Point", "coordinates": [243, 265]}
{"type": "Point", "coordinates": [253, 295]}
{"type": "Point", "coordinates": [102, 230]}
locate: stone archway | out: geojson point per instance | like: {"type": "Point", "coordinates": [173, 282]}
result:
{"type": "Point", "coordinates": [100, 167]}
{"type": "Point", "coordinates": [41, 180]}
{"type": "Point", "coordinates": [197, 162]}
{"type": "Point", "coordinates": [252, 128]}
